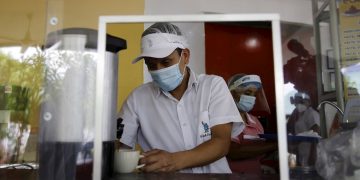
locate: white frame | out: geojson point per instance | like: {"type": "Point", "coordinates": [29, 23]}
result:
{"type": "Point", "coordinates": [278, 71]}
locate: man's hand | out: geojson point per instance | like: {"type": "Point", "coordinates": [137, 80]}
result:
{"type": "Point", "coordinates": [159, 161]}
{"type": "Point", "coordinates": [217, 147]}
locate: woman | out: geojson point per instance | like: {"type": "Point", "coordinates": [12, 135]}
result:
{"type": "Point", "coordinates": [306, 121]}
{"type": "Point", "coordinates": [248, 149]}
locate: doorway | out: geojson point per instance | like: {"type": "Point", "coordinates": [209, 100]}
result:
{"type": "Point", "coordinates": [246, 47]}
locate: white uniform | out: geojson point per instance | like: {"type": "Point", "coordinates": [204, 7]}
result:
{"type": "Point", "coordinates": [156, 120]}
{"type": "Point", "coordinates": [306, 120]}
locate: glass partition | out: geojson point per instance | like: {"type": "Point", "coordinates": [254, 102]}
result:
{"type": "Point", "coordinates": [336, 30]}
{"type": "Point", "coordinates": [48, 57]}
{"type": "Point", "coordinates": [199, 30]}
{"type": "Point", "coordinates": [21, 67]}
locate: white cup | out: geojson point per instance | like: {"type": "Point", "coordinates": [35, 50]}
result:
{"type": "Point", "coordinates": [126, 160]}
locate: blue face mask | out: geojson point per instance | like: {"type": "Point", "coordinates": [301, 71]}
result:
{"type": "Point", "coordinates": [168, 78]}
{"type": "Point", "coordinates": [246, 103]}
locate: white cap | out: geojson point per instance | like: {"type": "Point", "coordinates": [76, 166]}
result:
{"type": "Point", "coordinates": [247, 79]}
{"type": "Point", "coordinates": [159, 45]}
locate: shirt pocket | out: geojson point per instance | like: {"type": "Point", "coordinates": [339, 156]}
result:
{"type": "Point", "coordinates": [204, 131]}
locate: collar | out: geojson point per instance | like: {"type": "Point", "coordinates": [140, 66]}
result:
{"type": "Point", "coordinates": [193, 83]}
{"type": "Point", "coordinates": [250, 120]}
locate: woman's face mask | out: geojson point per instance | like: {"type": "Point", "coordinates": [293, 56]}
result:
{"type": "Point", "coordinates": [246, 103]}
{"type": "Point", "coordinates": [168, 78]}
{"type": "Point", "coordinates": [301, 107]}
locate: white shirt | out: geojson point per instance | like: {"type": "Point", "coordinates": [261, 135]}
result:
{"type": "Point", "coordinates": [157, 120]}
{"type": "Point", "coordinates": [307, 119]}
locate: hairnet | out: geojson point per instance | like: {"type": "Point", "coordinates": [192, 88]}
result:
{"type": "Point", "coordinates": [162, 27]}
{"type": "Point", "coordinates": [300, 97]}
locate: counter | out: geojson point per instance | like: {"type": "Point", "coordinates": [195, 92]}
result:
{"type": "Point", "coordinates": [184, 176]}
{"type": "Point", "coordinates": [26, 174]}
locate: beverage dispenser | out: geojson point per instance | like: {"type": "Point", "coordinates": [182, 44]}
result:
{"type": "Point", "coordinates": [68, 110]}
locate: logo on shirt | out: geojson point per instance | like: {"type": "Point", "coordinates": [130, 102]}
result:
{"type": "Point", "coordinates": [206, 126]}
{"type": "Point", "coordinates": [206, 130]}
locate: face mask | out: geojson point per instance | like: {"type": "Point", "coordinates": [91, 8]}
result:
{"type": "Point", "coordinates": [246, 103]}
{"type": "Point", "coordinates": [301, 108]}
{"type": "Point", "coordinates": [168, 78]}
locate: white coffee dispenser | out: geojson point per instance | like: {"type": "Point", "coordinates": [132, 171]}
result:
{"type": "Point", "coordinates": [68, 111]}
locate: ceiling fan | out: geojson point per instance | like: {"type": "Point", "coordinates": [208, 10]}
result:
{"type": "Point", "coordinates": [26, 41]}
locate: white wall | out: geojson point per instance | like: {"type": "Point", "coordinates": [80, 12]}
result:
{"type": "Point", "coordinates": [297, 11]}
{"type": "Point", "coordinates": [193, 31]}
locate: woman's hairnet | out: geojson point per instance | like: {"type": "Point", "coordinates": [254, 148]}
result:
{"type": "Point", "coordinates": [300, 97]}
{"type": "Point", "coordinates": [244, 80]}
{"type": "Point", "coordinates": [241, 82]}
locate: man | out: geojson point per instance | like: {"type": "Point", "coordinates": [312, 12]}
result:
{"type": "Point", "coordinates": [301, 70]}
{"type": "Point", "coordinates": [182, 121]}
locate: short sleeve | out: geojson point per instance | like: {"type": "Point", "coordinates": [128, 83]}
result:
{"type": "Point", "coordinates": [130, 121]}
{"type": "Point", "coordinates": [222, 108]}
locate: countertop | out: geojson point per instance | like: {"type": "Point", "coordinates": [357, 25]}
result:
{"type": "Point", "coordinates": [26, 174]}
{"type": "Point", "coordinates": [184, 176]}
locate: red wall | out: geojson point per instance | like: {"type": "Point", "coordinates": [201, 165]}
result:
{"type": "Point", "coordinates": [232, 49]}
